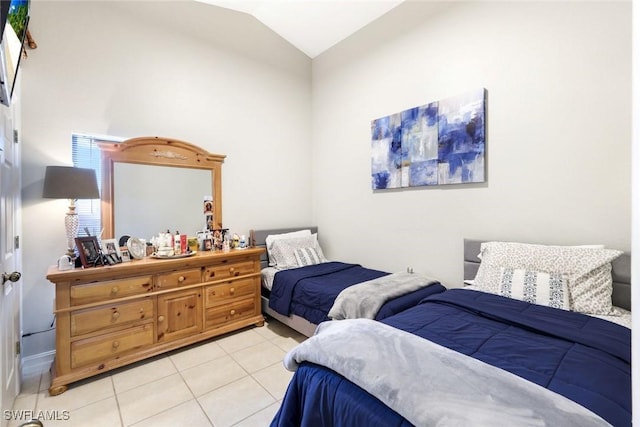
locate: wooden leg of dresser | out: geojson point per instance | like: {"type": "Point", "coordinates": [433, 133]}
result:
{"type": "Point", "coordinates": [260, 322]}
{"type": "Point", "coordinates": [55, 389]}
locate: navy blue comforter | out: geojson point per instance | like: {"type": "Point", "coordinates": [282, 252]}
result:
{"type": "Point", "coordinates": [310, 291]}
{"type": "Point", "coordinates": [583, 358]}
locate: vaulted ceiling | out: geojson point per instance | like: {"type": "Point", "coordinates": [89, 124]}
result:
{"type": "Point", "coordinates": [312, 26]}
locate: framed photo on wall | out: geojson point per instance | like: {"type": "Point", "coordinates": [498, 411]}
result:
{"type": "Point", "coordinates": [89, 251]}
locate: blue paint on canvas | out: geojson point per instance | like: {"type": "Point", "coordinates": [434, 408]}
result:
{"type": "Point", "coordinates": [461, 138]}
{"type": "Point", "coordinates": [386, 152]}
{"type": "Point", "coordinates": [421, 139]}
{"type": "Point", "coordinates": [423, 173]}
{"type": "Point", "coordinates": [437, 143]}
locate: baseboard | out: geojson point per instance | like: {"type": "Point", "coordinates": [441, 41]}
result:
{"type": "Point", "coordinates": [37, 362]}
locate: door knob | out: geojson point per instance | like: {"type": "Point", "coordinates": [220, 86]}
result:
{"type": "Point", "coordinates": [11, 277]}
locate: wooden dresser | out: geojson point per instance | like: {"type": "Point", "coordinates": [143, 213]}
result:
{"type": "Point", "coordinates": [108, 317]}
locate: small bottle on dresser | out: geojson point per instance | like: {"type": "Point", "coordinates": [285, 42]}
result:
{"type": "Point", "coordinates": [177, 247]}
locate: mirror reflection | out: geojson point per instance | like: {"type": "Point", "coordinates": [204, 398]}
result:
{"type": "Point", "coordinates": [149, 199]}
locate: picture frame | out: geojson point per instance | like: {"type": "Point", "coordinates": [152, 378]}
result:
{"type": "Point", "coordinates": [89, 251]}
{"type": "Point", "coordinates": [111, 246]}
{"type": "Point", "coordinates": [112, 258]}
{"type": "Point", "coordinates": [126, 257]}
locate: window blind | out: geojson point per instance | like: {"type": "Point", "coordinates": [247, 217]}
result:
{"type": "Point", "coordinates": [85, 154]}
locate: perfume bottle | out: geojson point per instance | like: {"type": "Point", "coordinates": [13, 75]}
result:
{"type": "Point", "coordinates": [177, 247]}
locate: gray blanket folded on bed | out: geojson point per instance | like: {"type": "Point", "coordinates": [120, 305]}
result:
{"type": "Point", "coordinates": [362, 301]}
{"type": "Point", "coordinates": [432, 385]}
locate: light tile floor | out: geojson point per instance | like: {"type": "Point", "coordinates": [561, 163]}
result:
{"type": "Point", "coordinates": [235, 380]}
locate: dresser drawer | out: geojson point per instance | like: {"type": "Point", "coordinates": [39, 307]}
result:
{"type": "Point", "coordinates": [103, 291]}
{"type": "Point", "coordinates": [104, 347]}
{"type": "Point", "coordinates": [179, 278]}
{"type": "Point", "coordinates": [228, 270]}
{"type": "Point", "coordinates": [95, 319]}
{"type": "Point", "coordinates": [225, 293]}
{"type": "Point", "coordinates": [223, 314]}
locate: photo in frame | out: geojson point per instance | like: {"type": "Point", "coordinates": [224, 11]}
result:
{"type": "Point", "coordinates": [89, 251]}
{"type": "Point", "coordinates": [111, 246]}
{"type": "Point", "coordinates": [126, 257]}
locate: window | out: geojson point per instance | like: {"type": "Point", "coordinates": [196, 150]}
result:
{"type": "Point", "coordinates": [85, 154]}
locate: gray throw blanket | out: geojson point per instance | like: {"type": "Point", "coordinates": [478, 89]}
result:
{"type": "Point", "coordinates": [362, 301]}
{"type": "Point", "coordinates": [431, 385]}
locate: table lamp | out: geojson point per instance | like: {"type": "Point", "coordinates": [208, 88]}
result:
{"type": "Point", "coordinates": [66, 182]}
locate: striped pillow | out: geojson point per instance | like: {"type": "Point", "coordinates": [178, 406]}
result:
{"type": "Point", "coordinates": [535, 287]}
{"type": "Point", "coordinates": [306, 256]}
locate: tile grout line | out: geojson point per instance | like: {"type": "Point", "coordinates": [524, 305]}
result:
{"type": "Point", "coordinates": [191, 391]}
{"type": "Point", "coordinates": [115, 395]}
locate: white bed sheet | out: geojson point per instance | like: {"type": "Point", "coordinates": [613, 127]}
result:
{"type": "Point", "coordinates": [268, 274]}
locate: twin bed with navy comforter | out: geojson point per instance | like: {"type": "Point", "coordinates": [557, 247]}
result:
{"type": "Point", "coordinates": [312, 291]}
{"type": "Point", "coordinates": [578, 357]}
{"type": "Point", "coordinates": [301, 287]}
{"type": "Point", "coordinates": [535, 341]}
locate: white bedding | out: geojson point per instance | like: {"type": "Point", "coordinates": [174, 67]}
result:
{"type": "Point", "coordinates": [268, 274]}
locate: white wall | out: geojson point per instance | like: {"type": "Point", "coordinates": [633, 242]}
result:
{"type": "Point", "coordinates": [559, 118]}
{"type": "Point", "coordinates": [183, 70]}
{"type": "Point", "coordinates": [558, 77]}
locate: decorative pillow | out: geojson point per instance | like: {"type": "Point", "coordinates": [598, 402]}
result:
{"type": "Point", "coordinates": [271, 238]}
{"type": "Point", "coordinates": [306, 256]}
{"type": "Point", "coordinates": [535, 287]}
{"type": "Point", "coordinates": [588, 270]}
{"type": "Point", "coordinates": [283, 250]}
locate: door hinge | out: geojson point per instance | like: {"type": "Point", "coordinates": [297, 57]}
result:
{"type": "Point", "coordinates": [17, 348]}
{"type": "Point", "coordinates": [15, 136]}
{"type": "Point", "coordinates": [16, 242]}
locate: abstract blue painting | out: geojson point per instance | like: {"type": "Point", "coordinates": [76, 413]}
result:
{"type": "Point", "coordinates": [461, 138]}
{"type": "Point", "coordinates": [442, 142]}
{"type": "Point", "coordinates": [386, 152]}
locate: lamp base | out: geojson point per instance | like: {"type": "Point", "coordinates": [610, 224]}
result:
{"type": "Point", "coordinates": [71, 224]}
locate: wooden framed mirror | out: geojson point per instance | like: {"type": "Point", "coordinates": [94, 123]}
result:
{"type": "Point", "coordinates": [153, 184]}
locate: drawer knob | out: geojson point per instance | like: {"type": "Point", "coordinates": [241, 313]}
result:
{"type": "Point", "coordinates": [232, 312]}
{"type": "Point", "coordinates": [116, 344]}
{"type": "Point", "coordinates": [160, 318]}
{"type": "Point", "coordinates": [232, 290]}
{"type": "Point", "coordinates": [115, 315]}
{"type": "Point", "coordinates": [231, 270]}
{"type": "Point", "coordinates": [181, 279]}
{"type": "Point", "coordinates": [114, 290]}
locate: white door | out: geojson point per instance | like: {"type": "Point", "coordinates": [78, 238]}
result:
{"type": "Point", "coordinates": [10, 263]}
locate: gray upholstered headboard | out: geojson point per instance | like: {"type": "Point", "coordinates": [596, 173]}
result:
{"type": "Point", "coordinates": [620, 271]}
{"type": "Point", "coordinates": [258, 238]}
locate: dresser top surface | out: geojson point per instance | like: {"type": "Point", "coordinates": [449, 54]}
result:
{"type": "Point", "coordinates": [149, 265]}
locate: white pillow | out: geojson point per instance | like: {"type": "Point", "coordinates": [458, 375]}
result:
{"type": "Point", "coordinates": [271, 238]}
{"type": "Point", "coordinates": [588, 270]}
{"type": "Point", "coordinates": [306, 256]}
{"type": "Point", "coordinates": [535, 287]}
{"type": "Point", "coordinates": [283, 250]}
